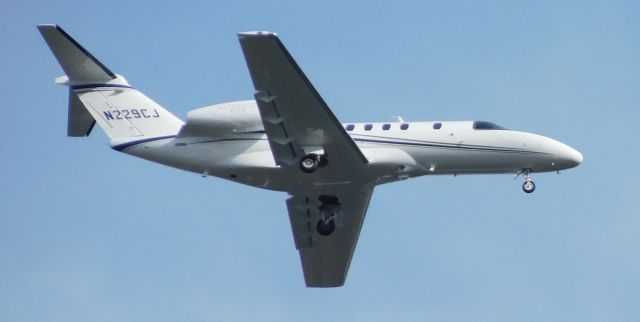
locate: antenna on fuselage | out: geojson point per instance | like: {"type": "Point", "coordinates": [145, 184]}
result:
{"type": "Point", "coordinates": [400, 119]}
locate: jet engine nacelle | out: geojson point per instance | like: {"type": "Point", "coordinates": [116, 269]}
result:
{"type": "Point", "coordinates": [232, 117]}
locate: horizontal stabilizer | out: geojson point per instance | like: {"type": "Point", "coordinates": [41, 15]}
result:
{"type": "Point", "coordinates": [79, 65]}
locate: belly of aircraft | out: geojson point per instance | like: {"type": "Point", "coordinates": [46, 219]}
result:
{"type": "Point", "coordinates": [251, 162]}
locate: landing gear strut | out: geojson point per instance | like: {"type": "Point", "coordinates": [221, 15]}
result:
{"type": "Point", "coordinates": [528, 186]}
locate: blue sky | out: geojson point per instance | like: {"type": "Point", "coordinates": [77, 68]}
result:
{"type": "Point", "coordinates": [89, 234]}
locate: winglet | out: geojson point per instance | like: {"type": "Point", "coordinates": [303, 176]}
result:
{"type": "Point", "coordinates": [79, 65]}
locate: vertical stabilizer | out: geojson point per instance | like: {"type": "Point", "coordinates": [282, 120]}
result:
{"type": "Point", "coordinates": [97, 95]}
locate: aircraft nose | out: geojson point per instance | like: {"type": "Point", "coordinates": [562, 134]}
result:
{"type": "Point", "coordinates": [572, 157]}
{"type": "Point", "coordinates": [565, 156]}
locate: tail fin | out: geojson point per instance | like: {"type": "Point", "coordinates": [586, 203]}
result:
{"type": "Point", "coordinates": [96, 94]}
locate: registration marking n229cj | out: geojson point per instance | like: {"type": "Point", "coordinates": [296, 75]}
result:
{"type": "Point", "coordinates": [132, 113]}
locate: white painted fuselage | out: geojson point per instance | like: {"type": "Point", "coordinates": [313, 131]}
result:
{"type": "Point", "coordinates": [394, 154]}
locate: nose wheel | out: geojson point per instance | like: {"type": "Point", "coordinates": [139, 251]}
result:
{"type": "Point", "coordinates": [528, 186]}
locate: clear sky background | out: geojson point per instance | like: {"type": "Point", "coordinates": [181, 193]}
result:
{"type": "Point", "coordinates": [89, 234]}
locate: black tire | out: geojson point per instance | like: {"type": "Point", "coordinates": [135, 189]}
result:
{"type": "Point", "coordinates": [309, 163]}
{"type": "Point", "coordinates": [325, 229]}
{"type": "Point", "coordinates": [528, 186]}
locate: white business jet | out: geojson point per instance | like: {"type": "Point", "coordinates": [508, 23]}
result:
{"type": "Point", "coordinates": [287, 139]}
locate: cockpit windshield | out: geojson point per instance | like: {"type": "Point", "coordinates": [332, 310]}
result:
{"type": "Point", "coordinates": [482, 125]}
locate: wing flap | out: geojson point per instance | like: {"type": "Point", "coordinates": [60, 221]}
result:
{"type": "Point", "coordinates": [285, 150]}
{"type": "Point", "coordinates": [300, 218]}
{"type": "Point", "coordinates": [293, 113]}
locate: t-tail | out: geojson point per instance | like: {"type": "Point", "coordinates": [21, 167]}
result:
{"type": "Point", "coordinates": [96, 94]}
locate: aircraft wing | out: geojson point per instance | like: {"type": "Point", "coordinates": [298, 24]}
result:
{"type": "Point", "coordinates": [326, 259]}
{"type": "Point", "coordinates": [296, 119]}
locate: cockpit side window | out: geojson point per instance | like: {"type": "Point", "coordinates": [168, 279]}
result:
{"type": "Point", "coordinates": [482, 125]}
{"type": "Point", "coordinates": [437, 126]}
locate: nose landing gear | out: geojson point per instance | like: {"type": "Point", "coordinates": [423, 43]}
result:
{"type": "Point", "coordinates": [528, 186]}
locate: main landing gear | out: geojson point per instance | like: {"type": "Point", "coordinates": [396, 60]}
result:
{"type": "Point", "coordinates": [328, 215]}
{"type": "Point", "coordinates": [310, 162]}
{"type": "Point", "coordinates": [329, 206]}
{"type": "Point", "coordinates": [326, 227]}
{"type": "Point", "coordinates": [528, 186]}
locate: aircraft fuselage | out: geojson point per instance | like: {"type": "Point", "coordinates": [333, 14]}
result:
{"type": "Point", "coordinates": [394, 153]}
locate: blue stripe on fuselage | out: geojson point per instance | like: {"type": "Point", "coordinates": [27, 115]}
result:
{"type": "Point", "coordinates": [123, 146]}
{"type": "Point", "coordinates": [444, 145]}
{"type": "Point", "coordinates": [86, 86]}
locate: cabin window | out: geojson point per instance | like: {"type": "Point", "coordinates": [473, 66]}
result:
{"type": "Point", "coordinates": [386, 127]}
{"type": "Point", "coordinates": [350, 127]}
{"type": "Point", "coordinates": [404, 126]}
{"type": "Point", "coordinates": [368, 127]}
{"type": "Point", "coordinates": [437, 126]}
{"type": "Point", "coordinates": [482, 125]}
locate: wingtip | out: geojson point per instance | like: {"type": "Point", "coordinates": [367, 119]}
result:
{"type": "Point", "coordinates": [257, 34]}
{"type": "Point", "coordinates": [47, 26]}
